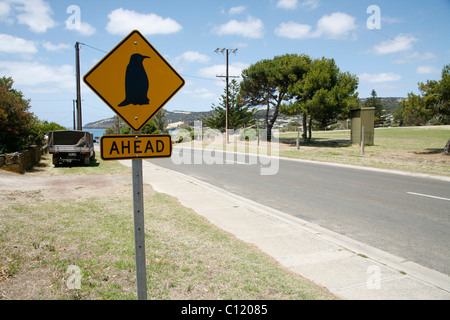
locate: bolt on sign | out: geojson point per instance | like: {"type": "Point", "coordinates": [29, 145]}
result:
{"type": "Point", "coordinates": [134, 80]}
{"type": "Point", "coordinates": [139, 146]}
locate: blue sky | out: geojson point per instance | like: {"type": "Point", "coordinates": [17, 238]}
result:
{"type": "Point", "coordinates": [407, 45]}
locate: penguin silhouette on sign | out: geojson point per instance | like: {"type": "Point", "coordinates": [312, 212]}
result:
{"type": "Point", "coordinates": [136, 82]}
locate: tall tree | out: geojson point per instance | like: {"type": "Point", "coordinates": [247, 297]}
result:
{"type": "Point", "coordinates": [380, 110]}
{"type": "Point", "coordinates": [433, 103]}
{"type": "Point", "coordinates": [266, 83]}
{"type": "Point", "coordinates": [415, 110]}
{"type": "Point", "coordinates": [437, 96]}
{"type": "Point", "coordinates": [239, 116]}
{"type": "Point", "coordinates": [160, 120]}
{"type": "Point", "coordinates": [323, 94]}
{"type": "Point", "coordinates": [16, 121]}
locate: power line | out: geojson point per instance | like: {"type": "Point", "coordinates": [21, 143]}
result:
{"type": "Point", "coordinates": [84, 44]}
{"type": "Point", "coordinates": [197, 77]}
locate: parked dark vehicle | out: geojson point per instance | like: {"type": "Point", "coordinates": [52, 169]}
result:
{"type": "Point", "coordinates": [68, 146]}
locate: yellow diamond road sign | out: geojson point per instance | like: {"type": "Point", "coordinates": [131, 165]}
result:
{"type": "Point", "coordinates": [134, 80]}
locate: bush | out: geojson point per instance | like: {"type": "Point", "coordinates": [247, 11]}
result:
{"type": "Point", "coordinates": [19, 127]}
{"type": "Point", "coordinates": [16, 122]}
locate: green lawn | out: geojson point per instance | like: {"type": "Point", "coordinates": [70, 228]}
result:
{"type": "Point", "coordinates": [416, 149]}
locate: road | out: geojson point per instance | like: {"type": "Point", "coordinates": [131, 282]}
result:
{"type": "Point", "coordinates": [404, 215]}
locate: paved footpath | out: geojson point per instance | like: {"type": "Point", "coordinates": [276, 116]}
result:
{"type": "Point", "coordinates": [349, 269]}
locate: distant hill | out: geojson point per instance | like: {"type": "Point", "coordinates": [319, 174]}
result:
{"type": "Point", "coordinates": [172, 117]}
{"type": "Point", "coordinates": [187, 117]}
{"type": "Point", "coordinates": [391, 103]}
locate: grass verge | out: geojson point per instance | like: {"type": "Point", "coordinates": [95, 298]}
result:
{"type": "Point", "coordinates": [412, 149]}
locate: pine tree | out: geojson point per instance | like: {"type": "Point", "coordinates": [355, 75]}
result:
{"type": "Point", "coordinates": [239, 116]}
{"type": "Point", "coordinates": [380, 110]}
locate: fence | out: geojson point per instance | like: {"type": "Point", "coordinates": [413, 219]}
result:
{"type": "Point", "coordinates": [21, 161]}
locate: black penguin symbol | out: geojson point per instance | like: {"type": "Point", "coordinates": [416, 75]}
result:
{"type": "Point", "coordinates": [136, 82]}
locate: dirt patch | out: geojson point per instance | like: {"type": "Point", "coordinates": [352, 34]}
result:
{"type": "Point", "coordinates": [30, 239]}
{"type": "Point", "coordinates": [29, 187]}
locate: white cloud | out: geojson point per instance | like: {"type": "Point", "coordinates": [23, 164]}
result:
{"type": "Point", "coordinates": [240, 45]}
{"type": "Point", "coordinates": [55, 47]}
{"type": "Point", "coordinates": [294, 30]}
{"type": "Point", "coordinates": [86, 29]}
{"type": "Point", "coordinates": [237, 10]}
{"type": "Point", "coordinates": [310, 4]}
{"type": "Point", "coordinates": [11, 44]}
{"type": "Point", "coordinates": [287, 4]}
{"type": "Point", "coordinates": [193, 56]}
{"type": "Point", "coordinates": [252, 28]}
{"type": "Point", "coordinates": [36, 14]}
{"type": "Point", "coordinates": [5, 10]}
{"type": "Point", "coordinates": [379, 77]}
{"type": "Point", "coordinates": [292, 4]}
{"type": "Point", "coordinates": [335, 26]}
{"type": "Point", "coordinates": [390, 20]}
{"type": "Point", "coordinates": [201, 93]}
{"type": "Point", "coordinates": [123, 21]}
{"type": "Point", "coordinates": [36, 77]}
{"type": "Point", "coordinates": [427, 70]}
{"type": "Point", "coordinates": [399, 43]}
{"type": "Point", "coordinates": [415, 57]}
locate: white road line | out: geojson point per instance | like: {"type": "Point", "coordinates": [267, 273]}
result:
{"type": "Point", "coordinates": [427, 195]}
{"type": "Point", "coordinates": [238, 162]}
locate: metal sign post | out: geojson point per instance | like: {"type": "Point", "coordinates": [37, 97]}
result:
{"type": "Point", "coordinates": [139, 231]}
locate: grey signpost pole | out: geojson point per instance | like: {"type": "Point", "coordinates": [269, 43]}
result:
{"type": "Point", "coordinates": [139, 231]}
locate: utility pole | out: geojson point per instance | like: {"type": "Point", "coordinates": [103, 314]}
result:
{"type": "Point", "coordinates": [74, 122]}
{"type": "Point", "coordinates": [227, 77]}
{"type": "Point", "coordinates": [77, 66]}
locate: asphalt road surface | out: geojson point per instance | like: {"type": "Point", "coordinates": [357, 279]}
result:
{"type": "Point", "coordinates": [405, 215]}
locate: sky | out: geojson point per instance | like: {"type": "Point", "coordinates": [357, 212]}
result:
{"type": "Point", "coordinates": [390, 46]}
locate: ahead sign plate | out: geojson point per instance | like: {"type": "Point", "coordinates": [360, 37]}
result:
{"type": "Point", "coordinates": [135, 146]}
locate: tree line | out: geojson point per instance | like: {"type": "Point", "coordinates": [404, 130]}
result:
{"type": "Point", "coordinates": [318, 91]}
{"type": "Point", "coordinates": [430, 106]}
{"type": "Point", "coordinates": [291, 84]}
